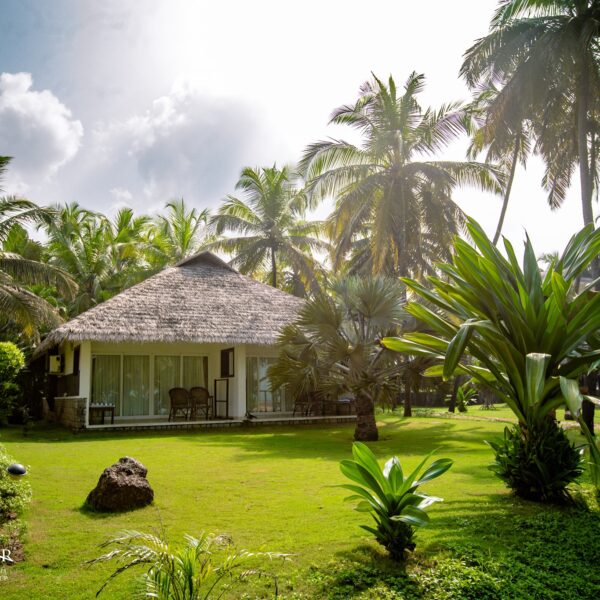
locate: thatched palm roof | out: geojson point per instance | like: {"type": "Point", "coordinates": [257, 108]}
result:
{"type": "Point", "coordinates": [201, 299]}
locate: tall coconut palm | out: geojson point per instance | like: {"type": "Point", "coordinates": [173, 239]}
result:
{"type": "Point", "coordinates": [78, 243]}
{"type": "Point", "coordinates": [332, 347]}
{"type": "Point", "coordinates": [271, 220]}
{"type": "Point", "coordinates": [129, 245]}
{"type": "Point", "coordinates": [178, 234]}
{"type": "Point", "coordinates": [387, 191]}
{"type": "Point", "coordinates": [503, 133]}
{"type": "Point", "coordinates": [19, 306]}
{"type": "Point", "coordinates": [544, 53]}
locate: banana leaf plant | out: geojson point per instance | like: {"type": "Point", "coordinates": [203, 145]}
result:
{"type": "Point", "coordinates": [390, 496]}
{"type": "Point", "coordinates": [532, 333]}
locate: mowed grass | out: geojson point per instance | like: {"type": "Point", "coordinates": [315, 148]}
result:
{"type": "Point", "coordinates": [268, 488]}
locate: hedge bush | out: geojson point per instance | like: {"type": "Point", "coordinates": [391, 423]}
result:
{"type": "Point", "coordinates": [12, 361]}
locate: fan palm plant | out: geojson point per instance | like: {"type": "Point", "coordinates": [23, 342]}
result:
{"type": "Point", "coordinates": [18, 274]}
{"type": "Point", "coordinates": [271, 221]}
{"type": "Point", "coordinates": [532, 336]}
{"type": "Point", "coordinates": [391, 199]}
{"type": "Point", "coordinates": [331, 348]}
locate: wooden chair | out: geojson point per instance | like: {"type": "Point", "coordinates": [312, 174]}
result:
{"type": "Point", "coordinates": [200, 401]}
{"type": "Point", "coordinates": [180, 403]}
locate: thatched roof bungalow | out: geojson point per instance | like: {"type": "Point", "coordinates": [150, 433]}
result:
{"type": "Point", "coordinates": [197, 324]}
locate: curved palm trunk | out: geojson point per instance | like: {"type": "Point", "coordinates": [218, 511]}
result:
{"type": "Point", "coordinates": [366, 427]}
{"type": "Point", "coordinates": [511, 177]}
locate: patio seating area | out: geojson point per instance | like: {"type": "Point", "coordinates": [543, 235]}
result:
{"type": "Point", "coordinates": [193, 404]}
{"type": "Point", "coordinates": [321, 407]}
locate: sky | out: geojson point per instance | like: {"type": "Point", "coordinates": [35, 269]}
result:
{"type": "Point", "coordinates": [128, 103]}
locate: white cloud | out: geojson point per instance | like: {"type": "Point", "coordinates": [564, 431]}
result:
{"type": "Point", "coordinates": [186, 144]}
{"type": "Point", "coordinates": [37, 129]}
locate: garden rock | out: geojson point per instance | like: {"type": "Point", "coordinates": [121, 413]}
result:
{"type": "Point", "coordinates": [123, 486]}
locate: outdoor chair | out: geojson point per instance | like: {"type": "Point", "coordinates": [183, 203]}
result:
{"type": "Point", "coordinates": [200, 402]}
{"type": "Point", "coordinates": [180, 403]}
{"type": "Point", "coordinates": [308, 404]}
{"type": "Point", "coordinates": [301, 406]}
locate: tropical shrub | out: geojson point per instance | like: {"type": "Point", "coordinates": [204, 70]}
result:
{"type": "Point", "coordinates": [12, 362]}
{"type": "Point", "coordinates": [390, 497]}
{"type": "Point", "coordinates": [15, 494]}
{"type": "Point", "coordinates": [196, 570]}
{"type": "Point", "coordinates": [531, 335]}
{"type": "Point", "coordinates": [538, 466]}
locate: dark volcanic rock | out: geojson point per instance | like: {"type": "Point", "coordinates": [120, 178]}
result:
{"type": "Point", "coordinates": [121, 487]}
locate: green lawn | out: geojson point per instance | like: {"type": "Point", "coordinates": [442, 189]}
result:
{"type": "Point", "coordinates": [268, 488]}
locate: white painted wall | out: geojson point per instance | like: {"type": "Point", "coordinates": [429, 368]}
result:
{"type": "Point", "coordinates": [237, 383]}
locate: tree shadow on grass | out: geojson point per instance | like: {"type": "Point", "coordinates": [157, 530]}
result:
{"type": "Point", "coordinates": [404, 439]}
{"type": "Point", "coordinates": [364, 572]}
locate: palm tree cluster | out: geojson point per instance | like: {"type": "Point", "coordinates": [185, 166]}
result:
{"type": "Point", "coordinates": [535, 83]}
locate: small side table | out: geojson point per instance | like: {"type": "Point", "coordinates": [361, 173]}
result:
{"type": "Point", "coordinates": [104, 409]}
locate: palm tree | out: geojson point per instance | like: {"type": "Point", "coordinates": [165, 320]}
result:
{"type": "Point", "coordinates": [178, 234]}
{"type": "Point", "coordinates": [503, 132]}
{"type": "Point", "coordinates": [332, 347]}
{"type": "Point", "coordinates": [129, 248]}
{"type": "Point", "coordinates": [390, 200]}
{"type": "Point", "coordinates": [19, 305]}
{"type": "Point", "coordinates": [544, 55]}
{"type": "Point", "coordinates": [79, 243]}
{"type": "Point", "coordinates": [270, 219]}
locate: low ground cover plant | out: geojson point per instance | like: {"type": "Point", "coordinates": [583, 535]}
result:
{"type": "Point", "coordinates": [390, 497]}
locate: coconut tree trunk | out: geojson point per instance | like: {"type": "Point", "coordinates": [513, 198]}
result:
{"type": "Point", "coordinates": [582, 142]}
{"type": "Point", "coordinates": [366, 427]}
{"type": "Point", "coordinates": [407, 399]}
{"type": "Point", "coordinates": [585, 178]}
{"type": "Point", "coordinates": [511, 177]}
{"type": "Point", "coordinates": [273, 269]}
{"type": "Point", "coordinates": [587, 407]}
{"type": "Point", "coordinates": [455, 386]}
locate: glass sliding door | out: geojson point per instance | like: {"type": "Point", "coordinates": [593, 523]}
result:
{"type": "Point", "coordinates": [259, 397]}
{"type": "Point", "coordinates": [195, 372]}
{"type": "Point", "coordinates": [136, 392]}
{"type": "Point", "coordinates": [106, 381]}
{"type": "Point", "coordinates": [166, 376]}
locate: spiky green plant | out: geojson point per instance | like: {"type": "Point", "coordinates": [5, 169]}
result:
{"type": "Point", "coordinates": [391, 497]}
{"type": "Point", "coordinates": [532, 334]}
